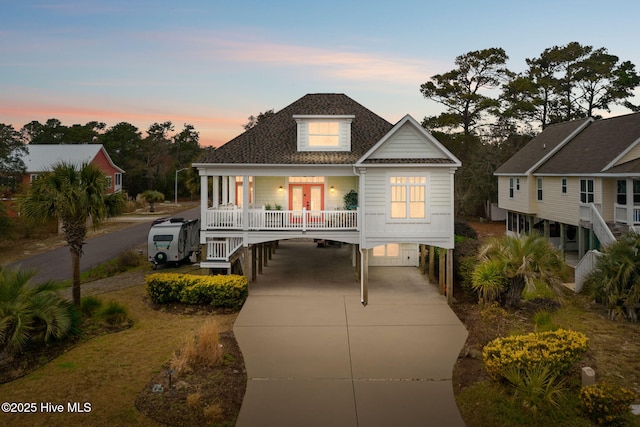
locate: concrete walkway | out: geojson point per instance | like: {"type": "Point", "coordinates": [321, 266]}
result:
{"type": "Point", "coordinates": [316, 357]}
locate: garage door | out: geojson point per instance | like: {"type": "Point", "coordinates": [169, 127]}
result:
{"type": "Point", "coordinates": [394, 254]}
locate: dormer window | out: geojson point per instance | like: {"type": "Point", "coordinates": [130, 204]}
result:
{"type": "Point", "coordinates": [324, 133]}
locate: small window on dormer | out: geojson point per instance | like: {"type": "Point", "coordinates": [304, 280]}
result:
{"type": "Point", "coordinates": [324, 134]}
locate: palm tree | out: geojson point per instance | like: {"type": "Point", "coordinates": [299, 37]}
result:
{"type": "Point", "coordinates": [28, 313]}
{"type": "Point", "coordinates": [75, 196]}
{"type": "Point", "coordinates": [152, 197]}
{"type": "Point", "coordinates": [524, 261]}
{"type": "Point", "coordinates": [616, 279]}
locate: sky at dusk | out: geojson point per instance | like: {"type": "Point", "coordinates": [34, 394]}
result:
{"type": "Point", "coordinates": [214, 63]}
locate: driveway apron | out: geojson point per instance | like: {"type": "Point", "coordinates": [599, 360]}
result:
{"type": "Point", "coordinates": [316, 357]}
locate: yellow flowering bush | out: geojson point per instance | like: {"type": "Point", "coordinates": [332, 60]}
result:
{"type": "Point", "coordinates": [220, 291]}
{"type": "Point", "coordinates": [558, 350]}
{"type": "Point", "coordinates": [607, 404]}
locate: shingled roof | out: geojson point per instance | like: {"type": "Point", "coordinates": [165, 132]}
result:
{"type": "Point", "coordinates": [539, 147]}
{"type": "Point", "coordinates": [274, 140]}
{"type": "Point", "coordinates": [596, 147]}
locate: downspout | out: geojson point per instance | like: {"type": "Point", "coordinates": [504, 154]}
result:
{"type": "Point", "coordinates": [364, 286]}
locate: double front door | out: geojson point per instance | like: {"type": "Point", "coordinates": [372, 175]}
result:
{"type": "Point", "coordinates": [309, 197]}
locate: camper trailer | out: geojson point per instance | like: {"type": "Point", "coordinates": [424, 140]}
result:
{"type": "Point", "coordinates": [172, 241]}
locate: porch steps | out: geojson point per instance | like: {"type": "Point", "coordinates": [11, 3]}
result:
{"type": "Point", "coordinates": [618, 229]}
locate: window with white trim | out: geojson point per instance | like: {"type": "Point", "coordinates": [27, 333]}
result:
{"type": "Point", "coordinates": [324, 134]}
{"type": "Point", "coordinates": [511, 188]}
{"type": "Point", "coordinates": [586, 191]}
{"type": "Point", "coordinates": [517, 184]}
{"type": "Point", "coordinates": [390, 250]}
{"type": "Point", "coordinates": [563, 186]}
{"type": "Point", "coordinates": [539, 188]}
{"type": "Point", "coordinates": [408, 197]}
{"type": "Point", "coordinates": [109, 182]}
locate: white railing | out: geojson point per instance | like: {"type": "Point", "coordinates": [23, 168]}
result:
{"type": "Point", "coordinates": [301, 220]}
{"type": "Point", "coordinates": [222, 249]}
{"type": "Point", "coordinates": [585, 266]}
{"type": "Point", "coordinates": [621, 214]}
{"type": "Point", "coordinates": [590, 213]}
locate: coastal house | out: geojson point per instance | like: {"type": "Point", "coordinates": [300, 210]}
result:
{"type": "Point", "coordinates": [327, 168]}
{"type": "Point", "coordinates": [42, 157]}
{"type": "Point", "coordinates": [577, 182]}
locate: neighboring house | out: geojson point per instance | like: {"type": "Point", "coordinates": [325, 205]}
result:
{"type": "Point", "coordinates": [577, 182]}
{"type": "Point", "coordinates": [287, 178]}
{"type": "Point", "coordinates": [43, 157]}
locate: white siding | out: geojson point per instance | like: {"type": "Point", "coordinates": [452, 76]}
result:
{"type": "Point", "coordinates": [559, 207]}
{"type": "Point", "coordinates": [380, 230]}
{"type": "Point", "coordinates": [407, 143]}
{"type": "Point", "coordinates": [265, 191]}
{"type": "Point", "coordinates": [341, 185]}
{"type": "Point", "coordinates": [522, 199]}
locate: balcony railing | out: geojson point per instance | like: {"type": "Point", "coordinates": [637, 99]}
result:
{"type": "Point", "coordinates": [261, 219]}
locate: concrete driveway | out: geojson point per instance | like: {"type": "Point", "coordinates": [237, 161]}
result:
{"type": "Point", "coordinates": [316, 357]}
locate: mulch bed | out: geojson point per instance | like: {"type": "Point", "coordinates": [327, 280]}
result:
{"type": "Point", "coordinates": [202, 397]}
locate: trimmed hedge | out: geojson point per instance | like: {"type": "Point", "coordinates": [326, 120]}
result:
{"type": "Point", "coordinates": [558, 350]}
{"type": "Point", "coordinates": [219, 291]}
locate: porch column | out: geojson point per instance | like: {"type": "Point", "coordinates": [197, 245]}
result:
{"type": "Point", "coordinates": [630, 203]}
{"type": "Point", "coordinates": [441, 270]}
{"type": "Point", "coordinates": [547, 232]}
{"type": "Point", "coordinates": [204, 202]}
{"type": "Point", "coordinates": [215, 192]}
{"type": "Point", "coordinates": [580, 242]}
{"type": "Point", "coordinates": [245, 202]}
{"type": "Point", "coordinates": [563, 236]}
{"type": "Point", "coordinates": [450, 276]}
{"type": "Point", "coordinates": [254, 266]}
{"type": "Point", "coordinates": [225, 190]}
{"type": "Point", "coordinates": [259, 258]}
{"type": "Point", "coordinates": [232, 190]}
{"type": "Point", "coordinates": [432, 264]}
{"type": "Point", "coordinates": [364, 277]}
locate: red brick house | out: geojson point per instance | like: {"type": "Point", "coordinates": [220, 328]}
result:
{"type": "Point", "coordinates": [43, 157]}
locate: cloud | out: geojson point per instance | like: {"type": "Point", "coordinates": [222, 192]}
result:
{"type": "Point", "coordinates": [334, 63]}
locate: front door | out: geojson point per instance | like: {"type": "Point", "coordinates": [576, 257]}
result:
{"type": "Point", "coordinates": [308, 196]}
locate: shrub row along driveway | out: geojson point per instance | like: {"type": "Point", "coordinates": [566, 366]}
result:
{"type": "Point", "coordinates": [316, 357]}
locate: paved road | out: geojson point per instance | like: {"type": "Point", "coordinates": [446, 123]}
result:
{"type": "Point", "coordinates": [56, 264]}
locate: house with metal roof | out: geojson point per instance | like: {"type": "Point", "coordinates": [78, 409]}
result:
{"type": "Point", "coordinates": [327, 168]}
{"type": "Point", "coordinates": [578, 182]}
{"type": "Point", "coordinates": [43, 157]}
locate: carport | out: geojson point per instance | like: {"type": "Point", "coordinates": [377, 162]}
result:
{"type": "Point", "coordinates": [315, 356]}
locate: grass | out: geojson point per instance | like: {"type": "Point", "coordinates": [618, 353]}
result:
{"type": "Point", "coordinates": [109, 371]}
{"type": "Point", "coordinates": [126, 261]}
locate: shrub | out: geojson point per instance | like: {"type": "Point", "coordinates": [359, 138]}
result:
{"type": "Point", "coordinates": [89, 305]}
{"type": "Point", "coordinates": [488, 280]}
{"type": "Point", "coordinates": [607, 404]}
{"type": "Point", "coordinates": [220, 291]}
{"type": "Point", "coordinates": [558, 350]}
{"type": "Point", "coordinates": [463, 229]}
{"type": "Point", "coordinates": [31, 313]}
{"type": "Point", "coordinates": [113, 313]}
{"type": "Point", "coordinates": [535, 387]}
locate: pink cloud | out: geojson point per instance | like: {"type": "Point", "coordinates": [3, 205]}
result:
{"type": "Point", "coordinates": [334, 63]}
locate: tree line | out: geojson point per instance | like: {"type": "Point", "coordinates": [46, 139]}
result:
{"type": "Point", "coordinates": [491, 112]}
{"type": "Point", "coordinates": [149, 161]}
